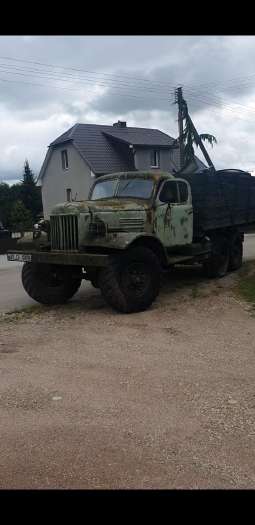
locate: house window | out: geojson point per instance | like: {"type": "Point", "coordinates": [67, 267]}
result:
{"type": "Point", "coordinates": [155, 158]}
{"type": "Point", "coordinates": [69, 194]}
{"type": "Point", "coordinates": [64, 159]}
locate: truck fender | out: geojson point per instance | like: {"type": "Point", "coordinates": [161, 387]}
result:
{"type": "Point", "coordinates": [153, 244]}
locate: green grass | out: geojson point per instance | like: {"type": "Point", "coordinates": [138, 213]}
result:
{"type": "Point", "coordinates": [195, 292]}
{"type": "Point", "coordinates": [71, 309]}
{"type": "Point", "coordinates": [246, 288]}
{"type": "Point", "coordinates": [25, 313]}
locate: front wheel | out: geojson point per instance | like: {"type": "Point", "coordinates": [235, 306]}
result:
{"type": "Point", "coordinates": [130, 283]}
{"type": "Point", "coordinates": [50, 283]}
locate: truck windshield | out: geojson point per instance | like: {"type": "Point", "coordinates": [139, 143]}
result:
{"type": "Point", "coordinates": [104, 190]}
{"type": "Point", "coordinates": [136, 188]}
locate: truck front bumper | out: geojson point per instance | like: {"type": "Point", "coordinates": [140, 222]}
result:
{"type": "Point", "coordinates": [70, 258]}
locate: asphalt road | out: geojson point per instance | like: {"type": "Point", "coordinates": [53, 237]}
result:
{"type": "Point", "coordinates": [13, 296]}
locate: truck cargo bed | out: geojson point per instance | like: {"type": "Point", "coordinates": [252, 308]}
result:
{"type": "Point", "coordinates": [221, 199]}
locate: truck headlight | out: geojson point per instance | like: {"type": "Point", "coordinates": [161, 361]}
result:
{"type": "Point", "coordinates": [39, 227]}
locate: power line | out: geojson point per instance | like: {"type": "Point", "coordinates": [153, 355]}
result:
{"type": "Point", "coordinates": [211, 110]}
{"type": "Point", "coordinates": [70, 78]}
{"type": "Point", "coordinates": [44, 74]}
{"type": "Point", "coordinates": [54, 86]}
{"type": "Point", "coordinates": [125, 89]}
{"type": "Point", "coordinates": [131, 79]}
{"type": "Point", "coordinates": [219, 108]}
{"type": "Point", "coordinates": [126, 77]}
{"type": "Point", "coordinates": [220, 103]}
{"type": "Point", "coordinates": [218, 99]}
{"type": "Point", "coordinates": [217, 83]}
{"type": "Point", "coordinates": [105, 82]}
{"type": "Point", "coordinates": [87, 71]}
{"type": "Point", "coordinates": [124, 94]}
{"type": "Point", "coordinates": [140, 79]}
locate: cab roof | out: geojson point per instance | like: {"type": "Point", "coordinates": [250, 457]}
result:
{"type": "Point", "coordinates": [155, 175]}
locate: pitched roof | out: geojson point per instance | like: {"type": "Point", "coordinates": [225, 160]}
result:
{"type": "Point", "coordinates": [105, 148]}
{"type": "Point", "coordinates": [140, 136]}
{"type": "Point", "coordinates": [97, 146]}
{"type": "Point", "coordinates": [135, 136]}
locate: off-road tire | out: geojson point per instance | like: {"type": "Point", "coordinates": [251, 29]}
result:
{"type": "Point", "coordinates": [39, 282]}
{"type": "Point", "coordinates": [218, 263]}
{"type": "Point", "coordinates": [114, 278]}
{"type": "Point", "coordinates": [236, 253]}
{"type": "Point", "coordinates": [92, 276]}
{"type": "Point", "coordinates": [94, 283]}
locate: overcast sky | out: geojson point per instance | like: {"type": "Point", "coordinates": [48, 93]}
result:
{"type": "Point", "coordinates": [49, 83]}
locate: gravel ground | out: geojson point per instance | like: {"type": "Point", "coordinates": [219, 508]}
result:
{"type": "Point", "coordinates": [90, 398]}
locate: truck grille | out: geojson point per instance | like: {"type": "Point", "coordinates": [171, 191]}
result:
{"type": "Point", "coordinates": [64, 232]}
{"type": "Point", "coordinates": [129, 224]}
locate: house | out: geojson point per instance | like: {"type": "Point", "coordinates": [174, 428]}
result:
{"type": "Point", "coordinates": [86, 151]}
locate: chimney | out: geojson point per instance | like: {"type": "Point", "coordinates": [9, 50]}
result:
{"type": "Point", "coordinates": [120, 124]}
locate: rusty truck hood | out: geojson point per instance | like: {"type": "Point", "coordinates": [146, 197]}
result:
{"type": "Point", "coordinates": [104, 205]}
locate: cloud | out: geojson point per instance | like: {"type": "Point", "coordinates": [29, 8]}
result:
{"type": "Point", "coordinates": [27, 139]}
{"type": "Point", "coordinates": [38, 103]}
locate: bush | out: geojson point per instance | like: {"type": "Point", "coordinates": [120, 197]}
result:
{"type": "Point", "coordinates": [21, 218]}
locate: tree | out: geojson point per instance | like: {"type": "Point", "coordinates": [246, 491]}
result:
{"type": "Point", "coordinates": [209, 138]}
{"type": "Point", "coordinates": [189, 136]}
{"type": "Point", "coordinates": [28, 176]}
{"type": "Point", "coordinates": [30, 194]}
{"type": "Point", "coordinates": [21, 203]}
{"type": "Point", "coordinates": [21, 219]}
{"type": "Point", "coordinates": [15, 192]}
{"type": "Point", "coordinates": [5, 203]}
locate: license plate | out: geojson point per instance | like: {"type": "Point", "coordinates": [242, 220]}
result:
{"type": "Point", "coordinates": [22, 257]}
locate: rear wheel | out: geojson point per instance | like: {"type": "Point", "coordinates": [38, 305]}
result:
{"type": "Point", "coordinates": [50, 284]}
{"type": "Point", "coordinates": [218, 263]}
{"type": "Point", "coordinates": [130, 283]}
{"type": "Point", "coordinates": [236, 253]}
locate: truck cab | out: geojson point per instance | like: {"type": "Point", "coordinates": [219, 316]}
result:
{"type": "Point", "coordinates": [125, 207]}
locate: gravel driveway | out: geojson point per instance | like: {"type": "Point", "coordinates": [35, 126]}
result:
{"type": "Point", "coordinates": [161, 399]}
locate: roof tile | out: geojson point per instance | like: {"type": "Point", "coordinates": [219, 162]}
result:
{"type": "Point", "coordinates": [96, 144]}
{"type": "Point", "coordinates": [99, 145]}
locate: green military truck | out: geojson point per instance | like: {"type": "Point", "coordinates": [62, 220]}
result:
{"type": "Point", "coordinates": [134, 226]}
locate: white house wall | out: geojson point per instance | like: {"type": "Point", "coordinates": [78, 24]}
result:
{"type": "Point", "coordinates": [143, 159]}
{"type": "Point", "coordinates": [56, 180]}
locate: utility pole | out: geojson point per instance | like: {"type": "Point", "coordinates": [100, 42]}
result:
{"type": "Point", "coordinates": [179, 101]}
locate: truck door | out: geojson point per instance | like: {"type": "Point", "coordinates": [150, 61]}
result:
{"type": "Point", "coordinates": [174, 213]}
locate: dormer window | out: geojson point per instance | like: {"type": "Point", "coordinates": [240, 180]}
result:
{"type": "Point", "coordinates": [155, 158]}
{"type": "Point", "coordinates": [64, 159]}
